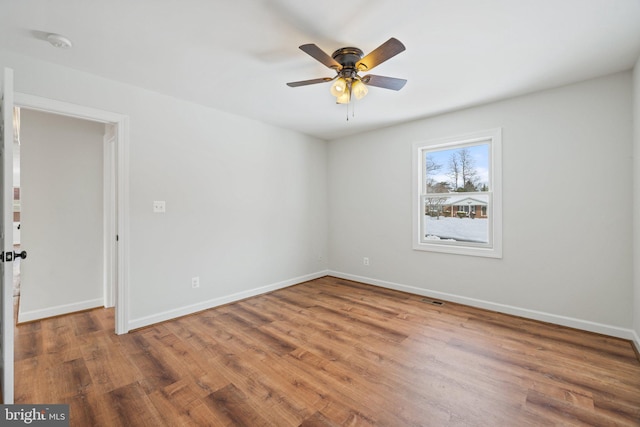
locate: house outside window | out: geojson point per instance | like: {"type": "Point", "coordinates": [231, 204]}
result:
{"type": "Point", "coordinates": [458, 194]}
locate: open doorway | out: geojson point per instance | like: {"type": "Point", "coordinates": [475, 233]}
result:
{"type": "Point", "coordinates": [114, 195]}
{"type": "Point", "coordinates": [59, 181]}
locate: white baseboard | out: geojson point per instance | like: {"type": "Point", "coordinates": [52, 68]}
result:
{"type": "Point", "coordinates": [30, 316]}
{"type": "Point", "coordinates": [585, 325]}
{"type": "Point", "coordinates": [636, 341]}
{"type": "Point", "coordinates": [204, 305]}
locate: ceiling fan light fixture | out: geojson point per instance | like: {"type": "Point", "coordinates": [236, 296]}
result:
{"type": "Point", "coordinates": [344, 98]}
{"type": "Point", "coordinates": [359, 89]}
{"type": "Point", "coordinates": [339, 87]}
{"type": "Point", "coordinates": [347, 62]}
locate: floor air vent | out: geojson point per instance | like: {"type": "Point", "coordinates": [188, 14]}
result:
{"type": "Point", "coordinates": [432, 302]}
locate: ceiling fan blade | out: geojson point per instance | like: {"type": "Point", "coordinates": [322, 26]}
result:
{"type": "Point", "coordinates": [317, 53]}
{"type": "Point", "coordinates": [309, 82]}
{"type": "Point", "coordinates": [384, 82]}
{"type": "Point", "coordinates": [386, 50]}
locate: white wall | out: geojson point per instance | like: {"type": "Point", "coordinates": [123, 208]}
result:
{"type": "Point", "coordinates": [246, 202]}
{"type": "Point", "coordinates": [567, 191]}
{"type": "Point", "coordinates": [62, 214]}
{"type": "Point", "coordinates": [636, 200]}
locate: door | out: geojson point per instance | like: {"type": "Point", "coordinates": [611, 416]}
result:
{"type": "Point", "coordinates": [6, 237]}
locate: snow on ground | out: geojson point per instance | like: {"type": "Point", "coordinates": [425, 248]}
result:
{"type": "Point", "coordinates": [460, 229]}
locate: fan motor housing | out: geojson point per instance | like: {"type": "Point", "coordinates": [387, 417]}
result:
{"type": "Point", "coordinates": [348, 57]}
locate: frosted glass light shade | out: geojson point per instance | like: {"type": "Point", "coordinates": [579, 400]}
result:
{"type": "Point", "coordinates": [344, 98]}
{"type": "Point", "coordinates": [359, 89]}
{"type": "Point", "coordinates": [339, 87]}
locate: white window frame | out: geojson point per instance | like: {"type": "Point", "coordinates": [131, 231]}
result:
{"type": "Point", "coordinates": [493, 248]}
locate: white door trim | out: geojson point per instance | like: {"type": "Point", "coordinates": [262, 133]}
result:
{"type": "Point", "coordinates": [121, 123]}
{"type": "Point", "coordinates": [109, 203]}
{"type": "Point", "coordinates": [7, 344]}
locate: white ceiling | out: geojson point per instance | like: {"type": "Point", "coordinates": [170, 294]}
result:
{"type": "Point", "coordinates": [237, 55]}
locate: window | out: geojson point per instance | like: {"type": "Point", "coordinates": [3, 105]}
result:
{"type": "Point", "coordinates": [457, 194]}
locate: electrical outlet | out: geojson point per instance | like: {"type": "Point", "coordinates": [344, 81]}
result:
{"type": "Point", "coordinates": [365, 260]}
{"type": "Point", "coordinates": [159, 206]}
{"type": "Point", "coordinates": [195, 282]}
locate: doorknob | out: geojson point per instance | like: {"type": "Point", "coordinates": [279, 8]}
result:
{"type": "Point", "coordinates": [11, 255]}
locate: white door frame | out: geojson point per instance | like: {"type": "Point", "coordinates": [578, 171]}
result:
{"type": "Point", "coordinates": [118, 238]}
{"type": "Point", "coordinates": [109, 203]}
{"type": "Point", "coordinates": [6, 359]}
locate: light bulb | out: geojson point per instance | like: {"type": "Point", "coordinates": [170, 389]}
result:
{"type": "Point", "coordinates": [339, 87]}
{"type": "Point", "coordinates": [344, 98]}
{"type": "Point", "coordinates": [359, 89]}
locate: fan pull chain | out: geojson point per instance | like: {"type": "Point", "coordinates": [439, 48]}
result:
{"type": "Point", "coordinates": [348, 103]}
{"type": "Point", "coordinates": [352, 103]}
{"type": "Point", "coordinates": [353, 110]}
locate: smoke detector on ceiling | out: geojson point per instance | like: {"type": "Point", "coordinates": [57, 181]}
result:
{"type": "Point", "coordinates": [59, 41]}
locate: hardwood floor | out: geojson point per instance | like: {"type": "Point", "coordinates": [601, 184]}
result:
{"type": "Point", "coordinates": [329, 352]}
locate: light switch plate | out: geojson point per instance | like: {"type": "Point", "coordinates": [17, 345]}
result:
{"type": "Point", "coordinates": [159, 206]}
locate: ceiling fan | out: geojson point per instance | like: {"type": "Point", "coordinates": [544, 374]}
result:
{"type": "Point", "coordinates": [348, 62]}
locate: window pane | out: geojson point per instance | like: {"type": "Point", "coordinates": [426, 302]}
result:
{"type": "Point", "coordinates": [461, 169]}
{"type": "Point", "coordinates": [456, 217]}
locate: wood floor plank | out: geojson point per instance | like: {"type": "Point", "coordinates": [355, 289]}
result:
{"type": "Point", "coordinates": [181, 404]}
{"type": "Point", "coordinates": [28, 345]}
{"type": "Point", "coordinates": [86, 322]}
{"type": "Point", "coordinates": [328, 352]}
{"type": "Point", "coordinates": [195, 336]}
{"type": "Point", "coordinates": [58, 334]}
{"type": "Point", "coordinates": [131, 406]}
{"type": "Point", "coordinates": [31, 382]}
{"type": "Point", "coordinates": [77, 377]}
{"type": "Point", "coordinates": [232, 403]}
{"type": "Point", "coordinates": [89, 409]}
{"type": "Point", "coordinates": [318, 420]}
{"type": "Point", "coordinates": [360, 398]}
{"type": "Point", "coordinates": [108, 364]}
{"type": "Point", "coordinates": [157, 371]}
